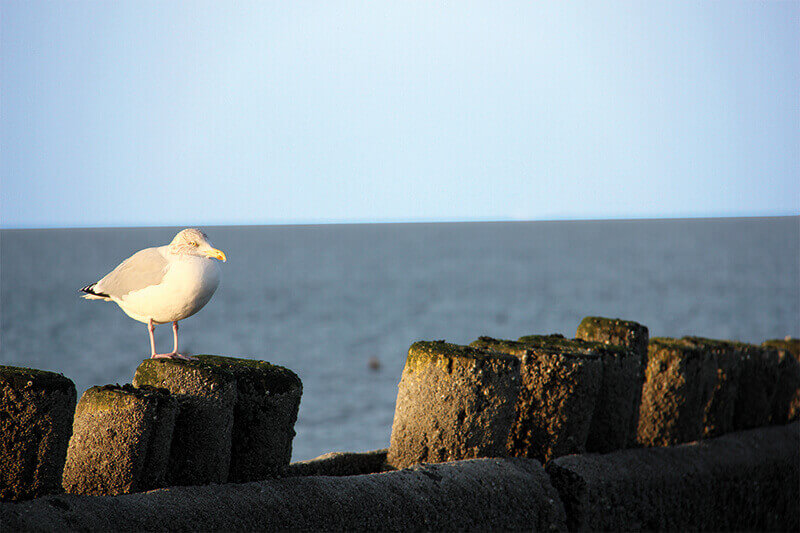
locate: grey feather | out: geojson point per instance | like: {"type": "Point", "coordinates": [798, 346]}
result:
{"type": "Point", "coordinates": [144, 268]}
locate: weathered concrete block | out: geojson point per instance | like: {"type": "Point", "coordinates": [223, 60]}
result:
{"type": "Point", "coordinates": [341, 464]}
{"type": "Point", "coordinates": [757, 386]}
{"type": "Point", "coordinates": [557, 398]}
{"type": "Point", "coordinates": [679, 380]}
{"type": "Point", "coordinates": [746, 481]}
{"type": "Point", "coordinates": [453, 402]}
{"type": "Point", "coordinates": [267, 400]}
{"type": "Point", "coordinates": [786, 403]}
{"type": "Point", "coordinates": [120, 440]}
{"type": "Point", "coordinates": [36, 409]}
{"type": "Point", "coordinates": [727, 356]}
{"type": "Point", "coordinates": [201, 442]}
{"type": "Point", "coordinates": [474, 495]}
{"type": "Point", "coordinates": [615, 331]}
{"type": "Point", "coordinates": [616, 412]}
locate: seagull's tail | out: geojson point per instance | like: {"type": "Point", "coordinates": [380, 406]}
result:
{"type": "Point", "coordinates": [91, 294]}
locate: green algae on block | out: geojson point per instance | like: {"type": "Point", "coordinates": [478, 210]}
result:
{"type": "Point", "coordinates": [120, 441]}
{"type": "Point", "coordinates": [557, 398]}
{"type": "Point", "coordinates": [615, 331]}
{"type": "Point", "coordinates": [36, 409]}
{"type": "Point", "coordinates": [616, 412]}
{"type": "Point", "coordinates": [201, 442]}
{"type": "Point", "coordinates": [268, 398]}
{"type": "Point", "coordinates": [453, 402]}
{"type": "Point", "coordinates": [679, 382]}
{"type": "Point", "coordinates": [786, 403]}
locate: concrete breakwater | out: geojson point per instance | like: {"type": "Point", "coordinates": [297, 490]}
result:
{"type": "Point", "coordinates": [741, 481]}
{"type": "Point", "coordinates": [539, 400]}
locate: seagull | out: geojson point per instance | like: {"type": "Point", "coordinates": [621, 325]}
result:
{"type": "Point", "coordinates": [163, 284]}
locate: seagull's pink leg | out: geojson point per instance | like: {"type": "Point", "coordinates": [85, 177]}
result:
{"type": "Point", "coordinates": [175, 337]}
{"type": "Point", "coordinates": [174, 354]}
{"type": "Point", "coordinates": [151, 328]}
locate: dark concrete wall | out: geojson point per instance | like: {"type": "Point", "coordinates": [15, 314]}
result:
{"type": "Point", "coordinates": [740, 481]}
{"type": "Point", "coordinates": [501, 494]}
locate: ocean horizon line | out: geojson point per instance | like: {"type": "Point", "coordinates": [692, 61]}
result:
{"type": "Point", "coordinates": [400, 221]}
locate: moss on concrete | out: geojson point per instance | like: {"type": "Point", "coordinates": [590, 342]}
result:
{"type": "Point", "coordinates": [445, 355]}
{"type": "Point", "coordinates": [615, 331]}
{"type": "Point", "coordinates": [206, 394]}
{"type": "Point", "coordinates": [679, 380]}
{"type": "Point", "coordinates": [788, 345]}
{"type": "Point", "coordinates": [36, 410]}
{"type": "Point", "coordinates": [121, 440]}
{"type": "Point", "coordinates": [616, 411]}
{"type": "Point", "coordinates": [556, 402]}
{"type": "Point", "coordinates": [453, 402]}
{"type": "Point", "coordinates": [268, 398]}
{"type": "Point", "coordinates": [754, 372]}
{"type": "Point", "coordinates": [272, 379]}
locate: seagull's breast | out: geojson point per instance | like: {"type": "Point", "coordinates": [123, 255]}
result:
{"type": "Point", "coordinates": [187, 286]}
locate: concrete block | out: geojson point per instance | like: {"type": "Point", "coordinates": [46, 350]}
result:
{"type": "Point", "coordinates": [679, 381]}
{"type": "Point", "coordinates": [747, 481]}
{"type": "Point", "coordinates": [786, 403]}
{"type": "Point", "coordinates": [341, 464]}
{"type": "Point", "coordinates": [616, 412]}
{"type": "Point", "coordinates": [474, 495]}
{"type": "Point", "coordinates": [615, 331]}
{"type": "Point", "coordinates": [120, 440]}
{"type": "Point", "coordinates": [757, 387]}
{"type": "Point", "coordinates": [453, 402]}
{"type": "Point", "coordinates": [267, 401]}
{"type": "Point", "coordinates": [719, 410]}
{"type": "Point", "coordinates": [557, 398]}
{"type": "Point", "coordinates": [201, 442]}
{"type": "Point", "coordinates": [36, 409]}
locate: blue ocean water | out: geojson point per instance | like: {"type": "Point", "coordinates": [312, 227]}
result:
{"type": "Point", "coordinates": [325, 300]}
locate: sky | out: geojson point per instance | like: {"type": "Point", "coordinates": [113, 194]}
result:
{"type": "Point", "coordinates": [204, 113]}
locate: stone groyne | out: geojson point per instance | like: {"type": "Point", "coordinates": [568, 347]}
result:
{"type": "Point", "coordinates": [610, 430]}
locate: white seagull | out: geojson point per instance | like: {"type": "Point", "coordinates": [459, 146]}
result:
{"type": "Point", "coordinates": [163, 284]}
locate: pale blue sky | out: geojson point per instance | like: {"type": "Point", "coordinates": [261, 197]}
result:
{"type": "Point", "coordinates": [201, 113]}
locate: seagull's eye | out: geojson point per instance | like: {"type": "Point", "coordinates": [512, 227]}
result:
{"type": "Point", "coordinates": [193, 243]}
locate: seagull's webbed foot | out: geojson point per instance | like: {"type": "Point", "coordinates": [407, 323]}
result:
{"type": "Point", "coordinates": [173, 355]}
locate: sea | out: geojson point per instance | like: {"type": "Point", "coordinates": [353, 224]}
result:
{"type": "Point", "coordinates": [341, 304]}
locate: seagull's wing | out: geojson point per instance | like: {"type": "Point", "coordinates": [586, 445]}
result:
{"type": "Point", "coordinates": [144, 268]}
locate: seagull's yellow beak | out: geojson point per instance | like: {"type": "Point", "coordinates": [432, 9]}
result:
{"type": "Point", "coordinates": [217, 254]}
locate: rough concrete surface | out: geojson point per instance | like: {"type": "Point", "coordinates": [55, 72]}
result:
{"type": "Point", "coordinates": [615, 331]}
{"type": "Point", "coordinates": [453, 402]}
{"type": "Point", "coordinates": [727, 356]}
{"type": "Point", "coordinates": [475, 495]}
{"type": "Point", "coordinates": [616, 411]}
{"type": "Point", "coordinates": [757, 387]}
{"type": "Point", "coordinates": [120, 440]}
{"type": "Point", "coordinates": [341, 464]}
{"type": "Point", "coordinates": [747, 481]}
{"type": "Point", "coordinates": [679, 381]}
{"type": "Point", "coordinates": [556, 401]}
{"type": "Point", "coordinates": [786, 403]}
{"type": "Point", "coordinates": [36, 409]}
{"type": "Point", "coordinates": [201, 442]}
{"type": "Point", "coordinates": [267, 401]}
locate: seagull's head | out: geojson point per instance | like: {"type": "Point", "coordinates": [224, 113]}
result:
{"type": "Point", "coordinates": [194, 242]}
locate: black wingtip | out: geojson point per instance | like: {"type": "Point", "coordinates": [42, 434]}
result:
{"type": "Point", "coordinates": [89, 289]}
